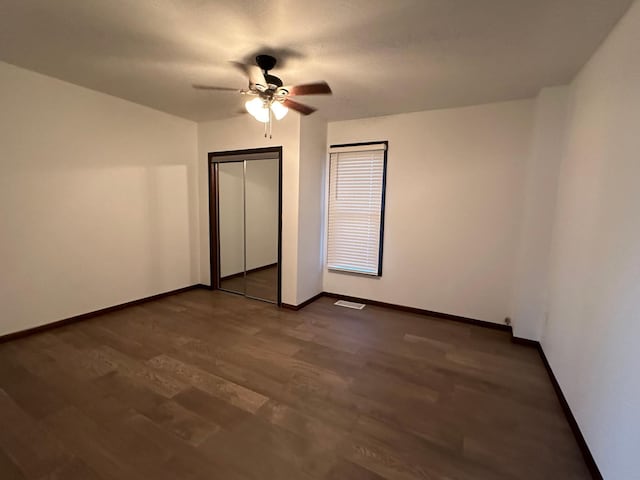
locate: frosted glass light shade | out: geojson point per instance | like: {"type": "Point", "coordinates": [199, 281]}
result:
{"type": "Point", "coordinates": [257, 108]}
{"type": "Point", "coordinates": [279, 110]}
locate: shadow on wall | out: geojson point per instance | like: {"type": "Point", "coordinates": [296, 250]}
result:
{"type": "Point", "coordinates": [169, 217]}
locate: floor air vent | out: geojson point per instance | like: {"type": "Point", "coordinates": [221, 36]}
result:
{"type": "Point", "coordinates": [354, 305]}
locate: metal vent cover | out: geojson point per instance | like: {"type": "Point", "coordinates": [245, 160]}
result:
{"type": "Point", "coordinates": [354, 305]}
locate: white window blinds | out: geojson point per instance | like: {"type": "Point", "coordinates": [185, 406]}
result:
{"type": "Point", "coordinates": [356, 196]}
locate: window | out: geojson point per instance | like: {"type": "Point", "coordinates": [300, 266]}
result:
{"type": "Point", "coordinates": [356, 207]}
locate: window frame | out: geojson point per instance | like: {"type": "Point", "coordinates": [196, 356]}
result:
{"type": "Point", "coordinates": [378, 274]}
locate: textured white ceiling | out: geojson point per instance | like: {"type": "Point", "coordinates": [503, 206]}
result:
{"type": "Point", "coordinates": [379, 56]}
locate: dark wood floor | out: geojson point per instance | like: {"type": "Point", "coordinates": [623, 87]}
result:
{"type": "Point", "coordinates": [262, 284]}
{"type": "Point", "coordinates": [208, 385]}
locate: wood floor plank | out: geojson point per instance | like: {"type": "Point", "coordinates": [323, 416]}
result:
{"type": "Point", "coordinates": [22, 390]}
{"type": "Point", "coordinates": [184, 423]}
{"type": "Point", "coordinates": [205, 385]}
{"type": "Point", "coordinates": [86, 440]}
{"type": "Point", "coordinates": [185, 462]}
{"type": "Point", "coordinates": [75, 469]}
{"type": "Point", "coordinates": [227, 391]}
{"type": "Point", "coordinates": [345, 470]}
{"type": "Point", "coordinates": [27, 443]}
{"type": "Point", "coordinates": [9, 469]}
{"type": "Point", "coordinates": [125, 344]}
{"type": "Point", "coordinates": [130, 394]}
{"type": "Point", "coordinates": [50, 346]}
{"type": "Point", "coordinates": [209, 360]}
{"type": "Point", "coordinates": [343, 363]}
{"type": "Point", "coordinates": [218, 411]}
{"type": "Point", "coordinates": [277, 453]}
{"type": "Point", "coordinates": [308, 428]}
{"type": "Point", "coordinates": [428, 458]}
{"type": "Point", "coordinates": [139, 372]}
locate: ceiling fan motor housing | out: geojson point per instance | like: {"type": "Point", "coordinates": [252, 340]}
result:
{"type": "Point", "coordinates": [273, 80]}
{"type": "Point", "coordinates": [266, 62]}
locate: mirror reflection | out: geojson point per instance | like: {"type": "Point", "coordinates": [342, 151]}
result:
{"type": "Point", "coordinates": [231, 225]}
{"type": "Point", "coordinates": [248, 197]}
{"type": "Point", "coordinates": [261, 200]}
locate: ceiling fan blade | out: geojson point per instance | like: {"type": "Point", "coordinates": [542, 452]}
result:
{"type": "Point", "coordinates": [254, 74]}
{"type": "Point", "coordinates": [211, 87]}
{"type": "Point", "coordinates": [298, 107]}
{"type": "Point", "coordinates": [318, 88]}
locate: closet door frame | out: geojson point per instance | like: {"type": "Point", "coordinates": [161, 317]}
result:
{"type": "Point", "coordinates": [214, 159]}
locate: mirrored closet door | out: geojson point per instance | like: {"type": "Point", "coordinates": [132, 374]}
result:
{"type": "Point", "coordinates": [246, 197]}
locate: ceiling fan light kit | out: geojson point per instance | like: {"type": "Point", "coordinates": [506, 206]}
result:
{"type": "Point", "coordinates": [279, 110]}
{"type": "Point", "coordinates": [271, 96]}
{"type": "Point", "coordinates": [258, 109]}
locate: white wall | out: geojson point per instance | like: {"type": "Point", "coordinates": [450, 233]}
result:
{"type": "Point", "coordinates": [97, 200]}
{"type": "Point", "coordinates": [453, 205]}
{"type": "Point", "coordinates": [541, 184]}
{"type": "Point", "coordinates": [591, 338]}
{"type": "Point", "coordinates": [313, 155]}
{"type": "Point", "coordinates": [244, 132]}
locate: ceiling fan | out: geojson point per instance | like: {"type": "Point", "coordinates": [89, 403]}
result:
{"type": "Point", "coordinates": [271, 96]}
